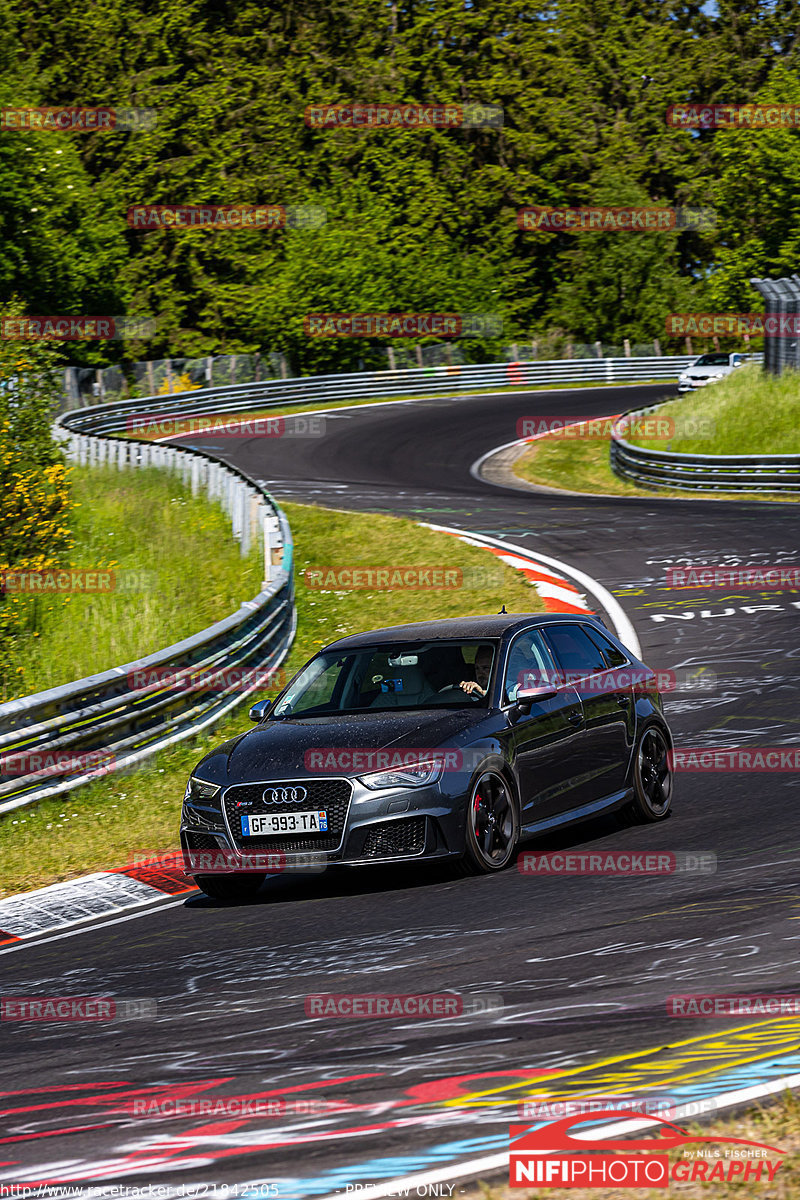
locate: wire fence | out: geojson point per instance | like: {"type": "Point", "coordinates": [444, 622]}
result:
{"type": "Point", "coordinates": [170, 376]}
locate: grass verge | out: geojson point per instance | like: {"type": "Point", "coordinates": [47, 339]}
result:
{"type": "Point", "coordinates": [748, 412]}
{"type": "Point", "coordinates": [105, 823]}
{"type": "Point", "coordinates": [776, 1125]}
{"type": "Point", "coordinates": [582, 465]}
{"type": "Point", "coordinates": [176, 568]}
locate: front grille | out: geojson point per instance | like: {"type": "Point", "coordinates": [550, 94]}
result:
{"type": "Point", "coordinates": [395, 838]}
{"type": "Point", "coordinates": [331, 794]}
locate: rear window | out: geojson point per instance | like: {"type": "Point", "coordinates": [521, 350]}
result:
{"type": "Point", "coordinates": [611, 653]}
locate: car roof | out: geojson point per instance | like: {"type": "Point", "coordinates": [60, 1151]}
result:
{"type": "Point", "coordinates": [458, 627]}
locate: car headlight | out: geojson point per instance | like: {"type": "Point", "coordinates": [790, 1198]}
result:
{"type": "Point", "coordinates": [412, 775]}
{"type": "Point", "coordinates": [682, 378]}
{"type": "Point", "coordinates": [198, 789]}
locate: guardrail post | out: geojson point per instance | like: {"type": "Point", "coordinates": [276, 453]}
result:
{"type": "Point", "coordinates": [244, 545]}
{"type": "Point", "coordinates": [273, 547]}
{"type": "Point", "coordinates": [234, 493]}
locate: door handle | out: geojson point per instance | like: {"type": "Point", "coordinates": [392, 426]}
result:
{"type": "Point", "coordinates": [575, 717]}
{"type": "Point", "coordinates": [623, 701]}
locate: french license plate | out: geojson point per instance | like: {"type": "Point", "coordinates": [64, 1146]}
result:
{"type": "Point", "coordinates": [298, 822]}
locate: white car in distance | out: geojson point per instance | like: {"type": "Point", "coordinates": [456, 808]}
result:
{"type": "Point", "coordinates": [709, 368]}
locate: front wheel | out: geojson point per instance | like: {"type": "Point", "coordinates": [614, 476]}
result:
{"type": "Point", "coordinates": [652, 777]}
{"type": "Point", "coordinates": [492, 831]}
{"type": "Point", "coordinates": [230, 887]}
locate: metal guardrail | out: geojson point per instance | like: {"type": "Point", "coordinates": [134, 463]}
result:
{"type": "Point", "coordinates": [57, 740]}
{"type": "Point", "coordinates": [315, 389]}
{"type": "Point", "coordinates": [663, 469]}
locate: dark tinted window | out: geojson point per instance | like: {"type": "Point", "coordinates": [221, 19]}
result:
{"type": "Point", "coordinates": [528, 664]}
{"type": "Point", "coordinates": [575, 652]}
{"type": "Point", "coordinates": [712, 360]}
{"type": "Point", "coordinates": [611, 653]}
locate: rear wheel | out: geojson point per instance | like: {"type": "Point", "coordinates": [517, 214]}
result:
{"type": "Point", "coordinates": [652, 777]}
{"type": "Point", "coordinates": [492, 831]}
{"type": "Point", "coordinates": [230, 887]}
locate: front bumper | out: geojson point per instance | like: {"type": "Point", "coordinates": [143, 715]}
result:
{"type": "Point", "coordinates": [391, 825]}
{"type": "Point", "coordinates": [691, 385]}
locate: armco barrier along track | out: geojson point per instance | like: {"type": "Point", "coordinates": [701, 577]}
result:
{"type": "Point", "coordinates": [423, 381]}
{"type": "Point", "coordinates": [50, 742]}
{"type": "Point", "coordinates": [698, 472]}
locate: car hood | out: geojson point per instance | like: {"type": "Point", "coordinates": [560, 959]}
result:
{"type": "Point", "coordinates": [278, 748]}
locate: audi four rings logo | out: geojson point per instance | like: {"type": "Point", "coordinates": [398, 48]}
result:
{"type": "Point", "coordinates": [284, 795]}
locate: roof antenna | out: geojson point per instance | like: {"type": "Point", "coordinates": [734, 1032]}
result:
{"type": "Point", "coordinates": [502, 610]}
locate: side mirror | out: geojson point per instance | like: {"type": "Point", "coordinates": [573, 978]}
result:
{"type": "Point", "coordinates": [260, 710]}
{"type": "Point", "coordinates": [526, 697]}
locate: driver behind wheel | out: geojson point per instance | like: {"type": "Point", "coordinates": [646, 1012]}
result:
{"type": "Point", "coordinates": [483, 669]}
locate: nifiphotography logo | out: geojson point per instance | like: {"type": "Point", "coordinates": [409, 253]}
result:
{"type": "Point", "coordinates": [553, 1156]}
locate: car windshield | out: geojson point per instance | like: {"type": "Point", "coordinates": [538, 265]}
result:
{"type": "Point", "coordinates": [713, 360]}
{"type": "Point", "coordinates": [409, 675]}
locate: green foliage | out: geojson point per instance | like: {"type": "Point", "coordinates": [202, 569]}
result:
{"type": "Point", "coordinates": [34, 492]}
{"type": "Point", "coordinates": [417, 220]}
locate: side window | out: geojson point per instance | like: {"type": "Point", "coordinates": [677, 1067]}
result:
{"type": "Point", "coordinates": [611, 653]}
{"type": "Point", "coordinates": [529, 664]}
{"type": "Point", "coordinates": [575, 652]}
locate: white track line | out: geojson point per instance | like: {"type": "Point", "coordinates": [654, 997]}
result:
{"type": "Point", "coordinates": [621, 622]}
{"type": "Point", "coordinates": [32, 943]}
{"type": "Point", "coordinates": [491, 1163]}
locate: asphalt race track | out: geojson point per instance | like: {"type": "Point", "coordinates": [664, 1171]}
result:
{"type": "Point", "coordinates": [583, 964]}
